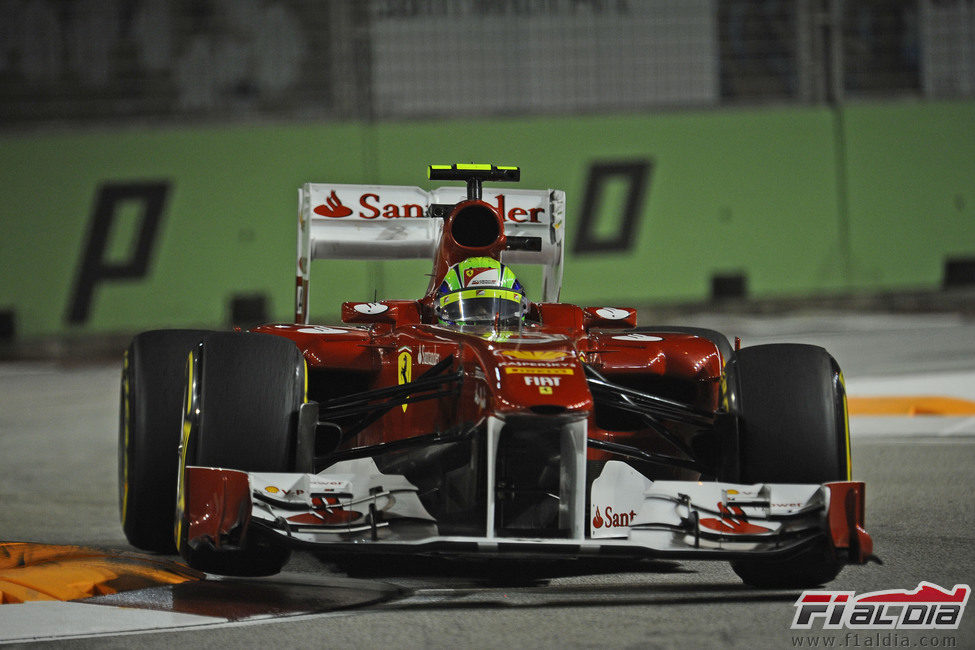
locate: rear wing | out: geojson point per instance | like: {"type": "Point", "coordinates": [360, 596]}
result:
{"type": "Point", "coordinates": [390, 222]}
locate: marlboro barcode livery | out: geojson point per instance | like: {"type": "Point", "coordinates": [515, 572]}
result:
{"type": "Point", "coordinates": [480, 418]}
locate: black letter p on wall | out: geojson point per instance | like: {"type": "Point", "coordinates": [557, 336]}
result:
{"type": "Point", "coordinates": [636, 175]}
{"type": "Point", "coordinates": [94, 268]}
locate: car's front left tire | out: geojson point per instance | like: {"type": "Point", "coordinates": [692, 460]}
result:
{"type": "Point", "coordinates": [790, 403]}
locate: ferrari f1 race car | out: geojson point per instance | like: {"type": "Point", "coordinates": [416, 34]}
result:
{"type": "Point", "coordinates": [475, 421]}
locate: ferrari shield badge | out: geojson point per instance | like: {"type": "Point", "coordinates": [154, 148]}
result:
{"type": "Point", "coordinates": [404, 369]}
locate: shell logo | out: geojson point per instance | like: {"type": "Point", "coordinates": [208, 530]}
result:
{"type": "Point", "coordinates": [535, 355]}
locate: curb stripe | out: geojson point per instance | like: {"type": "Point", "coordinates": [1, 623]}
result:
{"type": "Point", "coordinates": [43, 572]}
{"type": "Point", "coordinates": [910, 406]}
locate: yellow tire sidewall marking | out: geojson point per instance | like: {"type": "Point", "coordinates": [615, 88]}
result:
{"type": "Point", "coordinates": [846, 431]}
{"type": "Point", "coordinates": [184, 445]}
{"type": "Point", "coordinates": [125, 435]}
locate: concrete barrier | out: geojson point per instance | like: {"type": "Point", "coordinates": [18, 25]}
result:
{"type": "Point", "coordinates": [129, 229]}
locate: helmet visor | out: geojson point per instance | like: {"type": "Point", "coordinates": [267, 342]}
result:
{"type": "Point", "coordinates": [482, 307]}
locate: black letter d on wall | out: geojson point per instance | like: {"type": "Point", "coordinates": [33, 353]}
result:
{"type": "Point", "coordinates": [94, 268]}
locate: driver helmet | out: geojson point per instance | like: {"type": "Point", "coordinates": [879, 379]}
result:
{"type": "Point", "coordinates": [480, 291]}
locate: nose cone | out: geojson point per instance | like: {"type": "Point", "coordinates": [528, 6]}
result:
{"type": "Point", "coordinates": [542, 381]}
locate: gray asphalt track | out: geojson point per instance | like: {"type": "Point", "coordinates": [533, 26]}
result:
{"type": "Point", "coordinates": [58, 485]}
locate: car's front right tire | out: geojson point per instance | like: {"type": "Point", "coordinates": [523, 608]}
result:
{"type": "Point", "coordinates": [241, 412]}
{"type": "Point", "coordinates": [150, 403]}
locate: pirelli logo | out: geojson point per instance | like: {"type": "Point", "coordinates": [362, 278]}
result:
{"type": "Point", "coordinates": [532, 370]}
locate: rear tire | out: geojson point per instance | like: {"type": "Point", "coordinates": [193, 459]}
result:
{"type": "Point", "coordinates": [246, 395]}
{"type": "Point", "coordinates": [790, 403]}
{"type": "Point", "coordinates": [149, 433]}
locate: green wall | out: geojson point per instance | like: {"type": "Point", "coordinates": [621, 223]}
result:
{"type": "Point", "coordinates": [911, 171]}
{"type": "Point", "coordinates": [802, 200]}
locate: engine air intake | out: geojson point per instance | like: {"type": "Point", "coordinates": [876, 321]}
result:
{"type": "Point", "coordinates": [475, 224]}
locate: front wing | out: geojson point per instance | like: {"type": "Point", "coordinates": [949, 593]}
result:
{"type": "Point", "coordinates": [352, 504]}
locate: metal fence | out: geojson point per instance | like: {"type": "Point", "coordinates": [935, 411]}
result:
{"type": "Point", "coordinates": [83, 61]}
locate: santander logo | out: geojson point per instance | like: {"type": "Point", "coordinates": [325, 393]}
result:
{"type": "Point", "coordinates": [613, 519]}
{"type": "Point", "coordinates": [371, 207]}
{"type": "Point", "coordinates": [333, 207]}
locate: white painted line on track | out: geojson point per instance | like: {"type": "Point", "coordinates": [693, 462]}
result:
{"type": "Point", "coordinates": [919, 441]}
{"type": "Point", "coordinates": [947, 384]}
{"type": "Point", "coordinates": [48, 620]}
{"type": "Point", "coordinates": [45, 620]}
{"type": "Point", "coordinates": [921, 425]}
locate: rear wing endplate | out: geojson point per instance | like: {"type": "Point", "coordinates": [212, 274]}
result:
{"type": "Point", "coordinates": [389, 222]}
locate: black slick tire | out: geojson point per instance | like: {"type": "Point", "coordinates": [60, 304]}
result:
{"type": "Point", "coordinates": [150, 417]}
{"type": "Point", "coordinates": [244, 415]}
{"type": "Point", "coordinates": [790, 404]}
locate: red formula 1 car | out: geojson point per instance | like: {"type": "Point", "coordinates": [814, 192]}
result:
{"type": "Point", "coordinates": [474, 421]}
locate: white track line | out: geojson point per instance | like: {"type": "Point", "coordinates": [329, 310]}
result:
{"type": "Point", "coordinates": [45, 620]}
